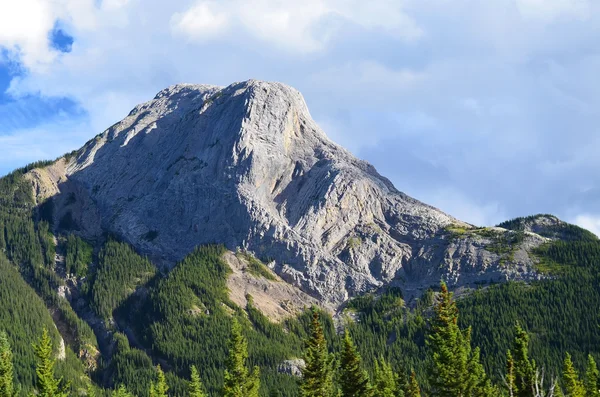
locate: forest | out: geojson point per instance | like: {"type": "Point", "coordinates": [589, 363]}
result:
{"type": "Point", "coordinates": [107, 321]}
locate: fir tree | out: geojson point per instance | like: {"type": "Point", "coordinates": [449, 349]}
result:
{"type": "Point", "coordinates": [317, 375]}
{"type": "Point", "coordinates": [161, 388]}
{"type": "Point", "coordinates": [195, 388]}
{"type": "Point", "coordinates": [354, 380]}
{"type": "Point", "coordinates": [47, 384]}
{"type": "Point", "coordinates": [90, 392]}
{"type": "Point", "coordinates": [455, 370]}
{"type": "Point", "coordinates": [573, 386]}
{"type": "Point", "coordinates": [523, 367]}
{"type": "Point", "coordinates": [121, 391]}
{"type": "Point", "coordinates": [384, 381]}
{"type": "Point", "coordinates": [239, 382]}
{"type": "Point", "coordinates": [510, 379]}
{"type": "Point", "coordinates": [558, 392]}
{"type": "Point", "coordinates": [591, 378]}
{"type": "Point", "coordinates": [413, 389]}
{"type": "Point", "coordinates": [6, 367]}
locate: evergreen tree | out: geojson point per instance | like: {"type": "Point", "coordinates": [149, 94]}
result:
{"type": "Point", "coordinates": [354, 380]}
{"type": "Point", "coordinates": [455, 370]}
{"type": "Point", "coordinates": [317, 376]}
{"type": "Point", "coordinates": [413, 386]}
{"type": "Point", "coordinates": [47, 384]}
{"type": "Point", "coordinates": [121, 391]}
{"type": "Point", "coordinates": [523, 368]}
{"type": "Point", "coordinates": [591, 378]}
{"type": "Point", "coordinates": [195, 388]}
{"type": "Point", "coordinates": [558, 392]}
{"type": "Point", "coordinates": [161, 388]}
{"type": "Point", "coordinates": [239, 382]}
{"type": "Point", "coordinates": [6, 367]}
{"type": "Point", "coordinates": [573, 386]}
{"type": "Point", "coordinates": [90, 392]}
{"type": "Point", "coordinates": [510, 378]}
{"type": "Point", "coordinates": [384, 381]}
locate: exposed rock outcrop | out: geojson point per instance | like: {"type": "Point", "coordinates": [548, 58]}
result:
{"type": "Point", "coordinates": [246, 166]}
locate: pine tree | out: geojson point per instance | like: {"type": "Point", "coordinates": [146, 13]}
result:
{"type": "Point", "coordinates": [558, 392]}
{"type": "Point", "coordinates": [510, 379]}
{"type": "Point", "coordinates": [6, 367]}
{"type": "Point", "coordinates": [591, 378]}
{"type": "Point", "coordinates": [523, 367]}
{"type": "Point", "coordinates": [90, 392]}
{"type": "Point", "coordinates": [354, 380]}
{"type": "Point", "coordinates": [121, 391]}
{"type": "Point", "coordinates": [239, 382]}
{"type": "Point", "coordinates": [195, 388]}
{"type": "Point", "coordinates": [413, 386]}
{"type": "Point", "coordinates": [47, 384]}
{"type": "Point", "coordinates": [317, 375]}
{"type": "Point", "coordinates": [384, 381]}
{"type": "Point", "coordinates": [573, 386]}
{"type": "Point", "coordinates": [454, 368]}
{"type": "Point", "coordinates": [160, 388]}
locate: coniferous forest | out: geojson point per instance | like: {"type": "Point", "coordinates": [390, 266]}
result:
{"type": "Point", "coordinates": [94, 318]}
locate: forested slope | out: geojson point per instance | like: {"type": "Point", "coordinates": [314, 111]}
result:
{"type": "Point", "coordinates": [120, 316]}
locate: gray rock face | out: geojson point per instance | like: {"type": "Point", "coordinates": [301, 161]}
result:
{"type": "Point", "coordinates": [292, 367]}
{"type": "Point", "coordinates": [246, 166]}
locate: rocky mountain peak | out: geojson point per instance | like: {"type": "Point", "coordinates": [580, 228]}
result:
{"type": "Point", "coordinates": [246, 166]}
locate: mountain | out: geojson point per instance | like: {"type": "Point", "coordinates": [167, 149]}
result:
{"type": "Point", "coordinates": [247, 167]}
{"type": "Point", "coordinates": [209, 204]}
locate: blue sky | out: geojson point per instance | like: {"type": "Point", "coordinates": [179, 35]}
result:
{"type": "Point", "coordinates": [487, 110]}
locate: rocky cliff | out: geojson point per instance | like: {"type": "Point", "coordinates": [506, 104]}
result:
{"type": "Point", "coordinates": [246, 166]}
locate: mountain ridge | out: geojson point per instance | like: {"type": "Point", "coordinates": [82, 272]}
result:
{"type": "Point", "coordinates": [246, 166]}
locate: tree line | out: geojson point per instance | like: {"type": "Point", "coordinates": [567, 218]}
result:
{"type": "Point", "coordinates": [453, 368]}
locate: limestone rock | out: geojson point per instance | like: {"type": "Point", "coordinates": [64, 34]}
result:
{"type": "Point", "coordinates": [292, 367]}
{"type": "Point", "coordinates": [246, 166]}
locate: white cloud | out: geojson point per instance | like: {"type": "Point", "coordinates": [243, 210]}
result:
{"type": "Point", "coordinates": [297, 26]}
{"type": "Point", "coordinates": [201, 22]}
{"type": "Point", "coordinates": [24, 27]}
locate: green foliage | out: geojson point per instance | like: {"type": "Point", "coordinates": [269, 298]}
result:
{"type": "Point", "coordinates": [7, 379]}
{"type": "Point", "coordinates": [239, 381]}
{"type": "Point", "coordinates": [413, 389]}
{"type": "Point", "coordinates": [78, 256]}
{"type": "Point", "coordinates": [130, 367]}
{"type": "Point", "coordinates": [195, 387]}
{"type": "Point", "coordinates": [354, 380]}
{"type": "Point", "coordinates": [454, 368]}
{"type": "Point", "coordinates": [573, 386]}
{"type": "Point", "coordinates": [47, 243]}
{"type": "Point", "coordinates": [591, 378]}
{"type": "Point", "coordinates": [384, 380]}
{"type": "Point", "coordinates": [520, 367]}
{"type": "Point", "coordinates": [47, 385]}
{"type": "Point", "coordinates": [160, 388]}
{"type": "Point", "coordinates": [120, 271]}
{"type": "Point", "coordinates": [556, 311]}
{"type": "Point", "coordinates": [317, 376]}
{"type": "Point", "coordinates": [257, 268]}
{"type": "Point", "coordinates": [120, 391]}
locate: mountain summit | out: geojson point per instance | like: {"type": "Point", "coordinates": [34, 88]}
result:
{"type": "Point", "coordinates": [246, 166]}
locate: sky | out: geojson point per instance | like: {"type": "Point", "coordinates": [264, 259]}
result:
{"type": "Point", "coordinates": [488, 110]}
